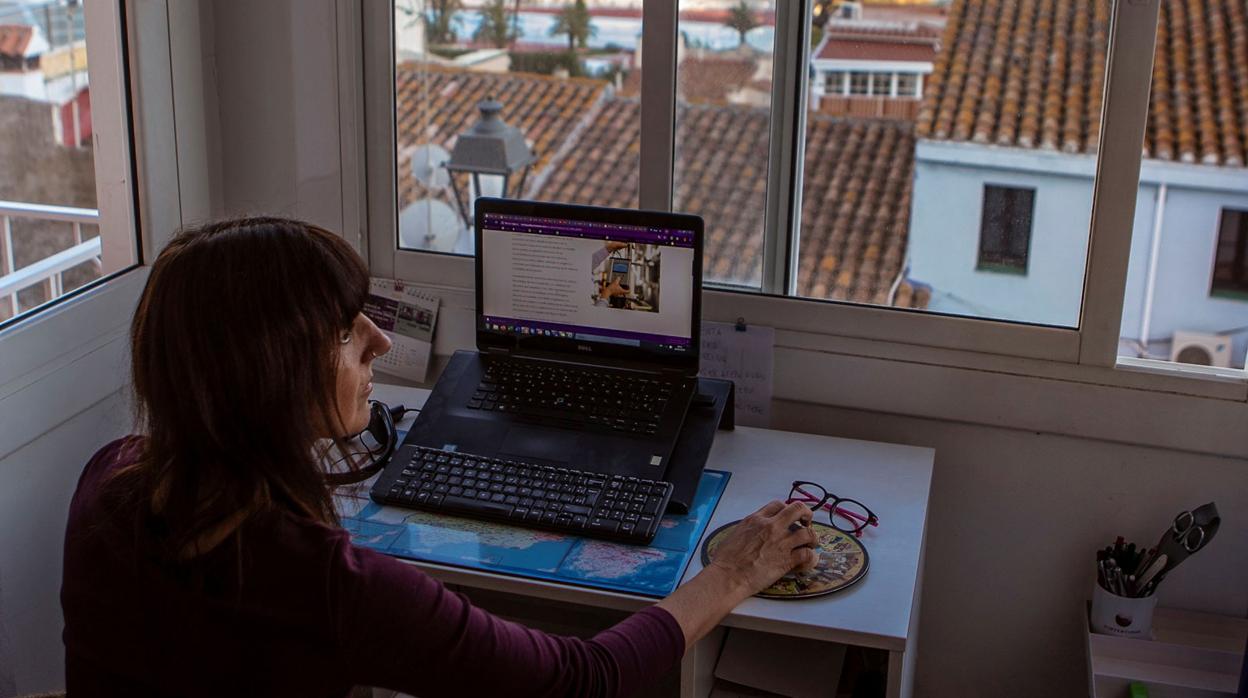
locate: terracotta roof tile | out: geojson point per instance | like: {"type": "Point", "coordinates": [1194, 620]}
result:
{"type": "Point", "coordinates": [1030, 74]}
{"type": "Point", "coordinates": [14, 39]}
{"type": "Point", "coordinates": [435, 104]}
{"type": "Point", "coordinates": [856, 207]}
{"type": "Point", "coordinates": [857, 49]}
{"type": "Point", "coordinates": [712, 79]}
{"type": "Point", "coordinates": [856, 40]}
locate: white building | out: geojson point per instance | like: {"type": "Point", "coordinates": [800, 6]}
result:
{"type": "Point", "coordinates": [1004, 174]}
{"type": "Point", "coordinates": [871, 63]}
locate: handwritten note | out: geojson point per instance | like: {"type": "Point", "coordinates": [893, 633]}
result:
{"type": "Point", "coordinates": [745, 358]}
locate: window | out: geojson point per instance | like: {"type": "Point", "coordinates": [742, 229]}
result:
{"type": "Point", "coordinates": [881, 84]}
{"type": "Point", "coordinates": [1005, 229]}
{"type": "Point", "coordinates": [889, 203]}
{"type": "Point", "coordinates": [908, 85]}
{"type": "Point", "coordinates": [53, 240]}
{"type": "Point", "coordinates": [723, 138]}
{"type": "Point", "coordinates": [1187, 276]}
{"type": "Point", "coordinates": [860, 83]}
{"type": "Point", "coordinates": [1230, 268]}
{"type": "Point", "coordinates": [834, 83]}
{"type": "Point", "coordinates": [894, 205]}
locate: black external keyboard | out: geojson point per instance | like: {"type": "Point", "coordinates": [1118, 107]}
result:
{"type": "Point", "coordinates": [619, 401]}
{"type": "Point", "coordinates": [572, 501]}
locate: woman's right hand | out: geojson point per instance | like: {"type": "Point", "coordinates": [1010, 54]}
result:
{"type": "Point", "coordinates": [763, 547]}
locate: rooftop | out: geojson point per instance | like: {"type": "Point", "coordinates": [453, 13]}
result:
{"type": "Point", "coordinates": [434, 104]}
{"type": "Point", "coordinates": [857, 189]}
{"type": "Point", "coordinates": [877, 46]}
{"type": "Point", "coordinates": [1031, 75]}
{"type": "Point", "coordinates": [856, 209]}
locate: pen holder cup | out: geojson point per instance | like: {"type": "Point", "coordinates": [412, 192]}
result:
{"type": "Point", "coordinates": [1122, 616]}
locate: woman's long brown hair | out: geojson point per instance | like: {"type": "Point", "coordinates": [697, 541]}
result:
{"type": "Point", "coordinates": [234, 360]}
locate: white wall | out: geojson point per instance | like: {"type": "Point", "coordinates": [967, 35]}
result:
{"type": "Point", "coordinates": [277, 103]}
{"type": "Point", "coordinates": [945, 230]}
{"type": "Point", "coordinates": [36, 483]}
{"type": "Point", "coordinates": [1181, 297]}
{"type": "Point", "coordinates": [944, 244]}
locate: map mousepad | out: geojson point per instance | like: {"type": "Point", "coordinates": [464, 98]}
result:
{"type": "Point", "coordinates": [652, 570]}
{"type": "Point", "coordinates": [842, 562]}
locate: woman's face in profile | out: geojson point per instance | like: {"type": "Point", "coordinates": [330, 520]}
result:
{"type": "Point", "coordinates": [357, 348]}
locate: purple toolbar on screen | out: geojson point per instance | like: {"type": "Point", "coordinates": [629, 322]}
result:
{"type": "Point", "coordinates": [588, 229]}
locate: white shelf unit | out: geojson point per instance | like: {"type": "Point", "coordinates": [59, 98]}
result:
{"type": "Point", "coordinates": [1191, 655]}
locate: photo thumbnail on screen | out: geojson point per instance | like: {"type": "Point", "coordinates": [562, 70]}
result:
{"type": "Point", "coordinates": [626, 276]}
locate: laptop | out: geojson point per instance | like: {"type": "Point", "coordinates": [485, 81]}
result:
{"type": "Point", "coordinates": [587, 334]}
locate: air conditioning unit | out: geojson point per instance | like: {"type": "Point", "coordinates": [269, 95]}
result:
{"type": "Point", "coordinates": [1201, 349]}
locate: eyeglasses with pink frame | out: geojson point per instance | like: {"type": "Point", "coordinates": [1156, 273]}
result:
{"type": "Point", "coordinates": [818, 498]}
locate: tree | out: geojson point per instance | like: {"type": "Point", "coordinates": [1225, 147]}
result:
{"type": "Point", "coordinates": [497, 27]}
{"type": "Point", "coordinates": [575, 21]}
{"type": "Point", "coordinates": [440, 20]}
{"type": "Point", "coordinates": [741, 18]}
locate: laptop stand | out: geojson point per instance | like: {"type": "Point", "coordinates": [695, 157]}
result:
{"type": "Point", "coordinates": [712, 409]}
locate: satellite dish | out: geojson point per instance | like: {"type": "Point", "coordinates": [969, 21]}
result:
{"type": "Point", "coordinates": [427, 166]}
{"type": "Point", "coordinates": [429, 224]}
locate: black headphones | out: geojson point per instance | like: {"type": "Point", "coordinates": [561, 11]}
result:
{"type": "Point", "coordinates": [384, 439]}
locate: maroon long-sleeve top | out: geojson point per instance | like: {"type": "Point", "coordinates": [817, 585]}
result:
{"type": "Point", "coordinates": [294, 609]}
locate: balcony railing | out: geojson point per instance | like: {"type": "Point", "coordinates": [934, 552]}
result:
{"type": "Point", "coordinates": [49, 270]}
{"type": "Point", "coordinates": [863, 106]}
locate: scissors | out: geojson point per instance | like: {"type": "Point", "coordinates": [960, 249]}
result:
{"type": "Point", "coordinates": [1191, 531]}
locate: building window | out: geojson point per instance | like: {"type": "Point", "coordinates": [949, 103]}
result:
{"type": "Point", "coordinates": [860, 83]}
{"type": "Point", "coordinates": [907, 85]}
{"type": "Point", "coordinates": [834, 83]}
{"type": "Point", "coordinates": [1230, 267]}
{"type": "Point", "coordinates": [880, 84]}
{"type": "Point", "coordinates": [1005, 228]}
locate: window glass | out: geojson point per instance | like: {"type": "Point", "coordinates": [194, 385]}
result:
{"type": "Point", "coordinates": [860, 83]}
{"type": "Point", "coordinates": [1185, 298]}
{"type": "Point", "coordinates": [894, 187]}
{"type": "Point", "coordinates": [880, 83]}
{"type": "Point", "coordinates": [1005, 228]}
{"type": "Point", "coordinates": [908, 85]}
{"type": "Point", "coordinates": [834, 82]}
{"type": "Point", "coordinates": [1230, 265]}
{"type": "Point", "coordinates": [723, 114]}
{"type": "Point", "coordinates": [49, 222]}
{"type": "Point", "coordinates": [565, 78]}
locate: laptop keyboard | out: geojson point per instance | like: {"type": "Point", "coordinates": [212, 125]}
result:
{"type": "Point", "coordinates": [526, 494]}
{"type": "Point", "coordinates": [619, 401]}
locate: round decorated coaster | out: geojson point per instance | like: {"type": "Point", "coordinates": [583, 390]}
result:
{"type": "Point", "coordinates": [842, 562]}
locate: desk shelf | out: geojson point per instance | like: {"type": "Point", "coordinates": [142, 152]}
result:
{"type": "Point", "coordinates": [1191, 654]}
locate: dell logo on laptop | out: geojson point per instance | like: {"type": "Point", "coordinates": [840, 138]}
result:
{"type": "Point", "coordinates": [584, 347]}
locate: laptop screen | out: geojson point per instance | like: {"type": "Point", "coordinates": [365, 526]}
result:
{"type": "Point", "coordinates": [589, 283]}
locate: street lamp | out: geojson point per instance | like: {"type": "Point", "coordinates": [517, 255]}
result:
{"type": "Point", "coordinates": [490, 150]}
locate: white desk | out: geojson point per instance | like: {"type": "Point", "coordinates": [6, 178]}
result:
{"type": "Point", "coordinates": [881, 611]}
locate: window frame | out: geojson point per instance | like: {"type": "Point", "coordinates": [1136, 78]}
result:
{"type": "Point", "coordinates": [1080, 354]}
{"type": "Point", "coordinates": [115, 180]}
{"type": "Point", "coordinates": [69, 354]}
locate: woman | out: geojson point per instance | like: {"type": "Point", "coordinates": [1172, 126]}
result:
{"type": "Point", "coordinates": [204, 557]}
